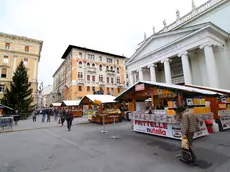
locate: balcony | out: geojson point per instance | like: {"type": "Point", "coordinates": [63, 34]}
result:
{"type": "Point", "coordinates": [80, 82]}
{"type": "Point", "coordinates": [110, 72]}
{"type": "Point", "coordinates": [101, 83]}
{"type": "Point", "coordinates": [120, 85]}
{"type": "Point", "coordinates": [91, 69]}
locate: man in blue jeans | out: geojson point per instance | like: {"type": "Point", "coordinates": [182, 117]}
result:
{"type": "Point", "coordinates": [43, 115]}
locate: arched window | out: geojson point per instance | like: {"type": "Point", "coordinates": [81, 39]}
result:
{"type": "Point", "coordinates": [3, 73]}
{"type": "Point", "coordinates": [100, 67]}
{"type": "Point", "coordinates": [88, 64]}
{"type": "Point", "coordinates": [107, 68]}
{"type": "Point", "coordinates": [93, 65]}
{"type": "Point", "coordinates": [80, 64]}
{"type": "Point", "coordinates": [111, 68]}
{"type": "Point", "coordinates": [118, 70]}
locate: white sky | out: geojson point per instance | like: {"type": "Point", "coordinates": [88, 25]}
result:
{"type": "Point", "coordinates": [112, 26]}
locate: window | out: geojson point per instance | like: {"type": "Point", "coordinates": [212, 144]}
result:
{"type": "Point", "coordinates": [88, 77]}
{"type": "Point", "coordinates": [7, 46]}
{"type": "Point", "coordinates": [5, 59]}
{"type": "Point", "coordinates": [127, 76]}
{"type": "Point", "coordinates": [3, 74]}
{"type": "Point", "coordinates": [117, 62]}
{"type": "Point", "coordinates": [100, 58]}
{"type": "Point", "coordinates": [27, 48]}
{"type": "Point", "coordinates": [112, 89]}
{"type": "Point", "coordinates": [80, 64]}
{"type": "Point", "coordinates": [88, 88]}
{"type": "Point", "coordinates": [107, 79]}
{"type": "Point", "coordinates": [107, 68]}
{"type": "Point", "coordinates": [118, 80]}
{"type": "Point", "coordinates": [93, 65]}
{"type": "Point", "coordinates": [100, 67]}
{"type": "Point", "coordinates": [2, 88]}
{"type": "Point", "coordinates": [101, 78]}
{"type": "Point", "coordinates": [111, 68]}
{"type": "Point", "coordinates": [80, 54]}
{"type": "Point", "coordinates": [118, 90]}
{"type": "Point", "coordinates": [112, 80]}
{"type": "Point", "coordinates": [88, 64]}
{"type": "Point", "coordinates": [93, 88]}
{"type": "Point", "coordinates": [80, 75]}
{"type": "Point", "coordinates": [107, 90]}
{"type": "Point", "coordinates": [25, 61]}
{"type": "Point", "coordinates": [79, 88]}
{"type": "Point", "coordinates": [109, 60]}
{"type": "Point", "coordinates": [118, 70]}
{"type": "Point", "coordinates": [93, 78]}
{"type": "Point", "coordinates": [90, 57]}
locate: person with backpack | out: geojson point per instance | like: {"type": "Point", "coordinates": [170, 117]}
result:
{"type": "Point", "coordinates": [69, 119]}
{"type": "Point", "coordinates": [189, 125]}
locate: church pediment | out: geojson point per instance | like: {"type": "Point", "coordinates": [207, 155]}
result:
{"type": "Point", "coordinates": [159, 40]}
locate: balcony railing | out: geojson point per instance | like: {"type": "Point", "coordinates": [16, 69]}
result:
{"type": "Point", "coordinates": [80, 81]}
{"type": "Point", "coordinates": [178, 80]}
{"type": "Point", "coordinates": [101, 83]}
{"type": "Point", "coordinates": [110, 72]}
{"type": "Point", "coordinates": [91, 69]}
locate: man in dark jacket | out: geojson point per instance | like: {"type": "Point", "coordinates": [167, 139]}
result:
{"type": "Point", "coordinates": [69, 119]}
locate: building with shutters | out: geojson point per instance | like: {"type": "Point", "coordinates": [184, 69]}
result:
{"type": "Point", "coordinates": [13, 49]}
{"type": "Point", "coordinates": [194, 49]}
{"type": "Point", "coordinates": [87, 71]}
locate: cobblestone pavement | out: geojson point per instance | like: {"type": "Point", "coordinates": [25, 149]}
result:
{"type": "Point", "coordinates": [86, 149]}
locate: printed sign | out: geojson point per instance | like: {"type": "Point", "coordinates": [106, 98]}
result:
{"type": "Point", "coordinates": [164, 129]}
{"type": "Point", "coordinates": [140, 87]}
{"type": "Point", "coordinates": [225, 122]}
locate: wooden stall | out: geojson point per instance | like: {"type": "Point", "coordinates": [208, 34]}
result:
{"type": "Point", "coordinates": [159, 116]}
{"type": "Point", "coordinates": [74, 106]}
{"type": "Point", "coordinates": [99, 105]}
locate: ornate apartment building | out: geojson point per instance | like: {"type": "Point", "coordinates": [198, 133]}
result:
{"type": "Point", "coordinates": [85, 71]}
{"type": "Point", "coordinates": [13, 49]}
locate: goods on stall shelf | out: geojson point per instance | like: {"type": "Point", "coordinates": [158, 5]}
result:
{"type": "Point", "coordinates": [112, 111]}
{"type": "Point", "coordinates": [91, 113]}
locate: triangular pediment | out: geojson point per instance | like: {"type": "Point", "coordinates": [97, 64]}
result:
{"type": "Point", "coordinates": [159, 40]}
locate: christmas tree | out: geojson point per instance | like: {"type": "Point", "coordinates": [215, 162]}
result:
{"type": "Point", "coordinates": [19, 95]}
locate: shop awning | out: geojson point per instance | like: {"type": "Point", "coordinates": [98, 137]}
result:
{"type": "Point", "coordinates": [71, 102]}
{"type": "Point", "coordinates": [56, 104]}
{"type": "Point", "coordinates": [128, 94]}
{"type": "Point", "coordinates": [101, 98]}
{"type": "Point", "coordinates": [222, 91]}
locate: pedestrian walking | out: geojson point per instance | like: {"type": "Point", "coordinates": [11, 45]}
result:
{"type": "Point", "coordinates": [43, 115]}
{"type": "Point", "coordinates": [190, 125]}
{"type": "Point", "coordinates": [63, 116]}
{"type": "Point", "coordinates": [34, 116]}
{"type": "Point", "coordinates": [49, 113]}
{"type": "Point", "coordinates": [69, 119]}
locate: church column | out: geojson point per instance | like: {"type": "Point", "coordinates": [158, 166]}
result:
{"type": "Point", "coordinates": [131, 79]}
{"type": "Point", "coordinates": [141, 75]}
{"type": "Point", "coordinates": [186, 67]}
{"type": "Point", "coordinates": [168, 76]}
{"type": "Point", "coordinates": [152, 72]}
{"type": "Point", "coordinates": [211, 65]}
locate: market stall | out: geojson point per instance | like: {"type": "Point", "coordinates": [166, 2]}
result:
{"type": "Point", "coordinates": [220, 106]}
{"type": "Point", "coordinates": [74, 106]}
{"type": "Point", "coordinates": [159, 118]}
{"type": "Point", "coordinates": [56, 105]}
{"type": "Point", "coordinates": [99, 105]}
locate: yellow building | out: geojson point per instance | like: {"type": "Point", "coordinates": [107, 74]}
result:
{"type": "Point", "coordinates": [13, 49]}
{"type": "Point", "coordinates": [85, 71]}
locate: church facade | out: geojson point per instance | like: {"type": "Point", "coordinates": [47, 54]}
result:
{"type": "Point", "coordinates": [193, 50]}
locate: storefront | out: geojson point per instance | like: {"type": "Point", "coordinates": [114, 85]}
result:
{"type": "Point", "coordinates": [160, 117]}
{"type": "Point", "coordinates": [99, 105]}
{"type": "Point", "coordinates": [74, 106]}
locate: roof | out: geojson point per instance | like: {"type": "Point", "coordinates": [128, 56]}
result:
{"type": "Point", "coordinates": [69, 48]}
{"type": "Point", "coordinates": [101, 98]}
{"type": "Point", "coordinates": [223, 91]}
{"type": "Point", "coordinates": [170, 87]}
{"type": "Point", "coordinates": [71, 102]}
{"type": "Point", "coordinates": [56, 104]}
{"type": "Point", "coordinates": [5, 107]}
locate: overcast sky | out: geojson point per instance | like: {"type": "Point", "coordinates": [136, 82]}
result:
{"type": "Point", "coordinates": [112, 26]}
